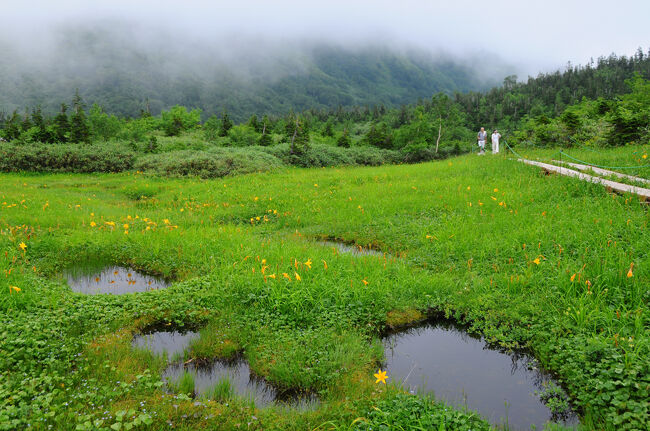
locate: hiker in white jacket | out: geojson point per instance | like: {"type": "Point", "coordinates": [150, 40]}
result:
{"type": "Point", "coordinates": [495, 141]}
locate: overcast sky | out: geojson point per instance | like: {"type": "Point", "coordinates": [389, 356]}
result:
{"type": "Point", "coordinates": [533, 35]}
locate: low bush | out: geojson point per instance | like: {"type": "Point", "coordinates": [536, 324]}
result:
{"type": "Point", "coordinates": [64, 158]}
{"type": "Point", "coordinates": [327, 155]}
{"type": "Point", "coordinates": [214, 163]}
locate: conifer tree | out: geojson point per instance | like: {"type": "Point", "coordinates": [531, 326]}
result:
{"type": "Point", "coordinates": [226, 124]}
{"type": "Point", "coordinates": [42, 135]}
{"type": "Point", "coordinates": [327, 130]}
{"type": "Point", "coordinates": [12, 127]}
{"type": "Point", "coordinates": [254, 123]}
{"type": "Point", "coordinates": [344, 139]}
{"type": "Point", "coordinates": [61, 125]}
{"type": "Point", "coordinates": [79, 130]}
{"type": "Point", "coordinates": [27, 123]}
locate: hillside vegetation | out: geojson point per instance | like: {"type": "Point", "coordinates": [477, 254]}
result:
{"type": "Point", "coordinates": [113, 67]}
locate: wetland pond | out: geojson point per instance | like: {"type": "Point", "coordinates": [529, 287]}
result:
{"type": "Point", "coordinates": [114, 280]}
{"type": "Point", "coordinates": [355, 250]}
{"type": "Point", "coordinates": [463, 371]}
{"type": "Point", "coordinates": [212, 377]}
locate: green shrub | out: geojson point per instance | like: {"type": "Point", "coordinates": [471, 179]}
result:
{"type": "Point", "coordinates": [214, 163]}
{"type": "Point", "coordinates": [327, 155]}
{"type": "Point", "coordinates": [64, 158]}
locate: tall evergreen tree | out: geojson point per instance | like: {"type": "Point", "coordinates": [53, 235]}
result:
{"type": "Point", "coordinates": [79, 130]}
{"type": "Point", "coordinates": [344, 139]}
{"type": "Point", "coordinates": [12, 127]}
{"type": "Point", "coordinates": [226, 124]}
{"type": "Point", "coordinates": [61, 125]}
{"type": "Point", "coordinates": [42, 135]}
{"type": "Point", "coordinates": [254, 123]}
{"type": "Point", "coordinates": [27, 123]}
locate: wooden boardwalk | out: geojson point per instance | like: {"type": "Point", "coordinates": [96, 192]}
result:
{"type": "Point", "coordinates": [612, 185]}
{"type": "Point", "coordinates": [602, 171]}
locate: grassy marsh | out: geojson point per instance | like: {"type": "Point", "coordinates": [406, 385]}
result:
{"type": "Point", "coordinates": [527, 260]}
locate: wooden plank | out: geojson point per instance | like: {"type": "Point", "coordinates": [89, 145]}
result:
{"type": "Point", "coordinates": [613, 185]}
{"type": "Point", "coordinates": [602, 171]}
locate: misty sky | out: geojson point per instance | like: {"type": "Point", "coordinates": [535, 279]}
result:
{"type": "Point", "coordinates": [533, 36]}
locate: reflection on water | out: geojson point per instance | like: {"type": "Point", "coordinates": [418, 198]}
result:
{"type": "Point", "coordinates": [115, 280]}
{"type": "Point", "coordinates": [207, 376]}
{"type": "Point", "coordinates": [463, 371]}
{"type": "Point", "coordinates": [241, 381]}
{"type": "Point", "coordinates": [355, 250]}
{"type": "Point", "coordinates": [171, 344]}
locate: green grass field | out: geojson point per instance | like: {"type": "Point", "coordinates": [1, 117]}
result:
{"type": "Point", "coordinates": [546, 263]}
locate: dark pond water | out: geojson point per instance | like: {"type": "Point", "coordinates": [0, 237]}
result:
{"type": "Point", "coordinates": [352, 249]}
{"type": "Point", "coordinates": [463, 371]}
{"type": "Point", "coordinates": [171, 344]}
{"type": "Point", "coordinates": [206, 376]}
{"type": "Point", "coordinates": [241, 380]}
{"type": "Point", "coordinates": [115, 280]}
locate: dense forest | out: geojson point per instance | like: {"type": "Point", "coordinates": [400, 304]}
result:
{"type": "Point", "coordinates": [603, 105]}
{"type": "Point", "coordinates": [125, 73]}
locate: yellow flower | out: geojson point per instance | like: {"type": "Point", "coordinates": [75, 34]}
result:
{"type": "Point", "coordinates": [536, 261]}
{"type": "Point", "coordinates": [573, 277]}
{"type": "Point", "coordinates": [93, 224]}
{"type": "Point", "coordinates": [166, 221]}
{"type": "Point", "coordinates": [325, 264]}
{"type": "Point", "coordinates": [308, 263]}
{"type": "Point", "coordinates": [14, 289]}
{"type": "Point", "coordinates": [645, 156]}
{"type": "Point", "coordinates": [272, 276]}
{"type": "Point", "coordinates": [364, 282]}
{"type": "Point", "coordinates": [297, 276]}
{"type": "Point", "coordinates": [285, 275]}
{"type": "Point", "coordinates": [496, 190]}
{"type": "Point", "coordinates": [126, 225]}
{"type": "Point", "coordinates": [629, 273]}
{"type": "Point", "coordinates": [380, 376]}
{"type": "Point", "coordinates": [468, 188]}
{"type": "Point", "coordinates": [22, 246]}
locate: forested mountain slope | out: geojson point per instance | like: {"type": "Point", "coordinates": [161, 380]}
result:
{"type": "Point", "coordinates": [124, 73]}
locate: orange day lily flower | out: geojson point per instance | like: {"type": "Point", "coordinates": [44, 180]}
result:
{"type": "Point", "coordinates": [380, 376]}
